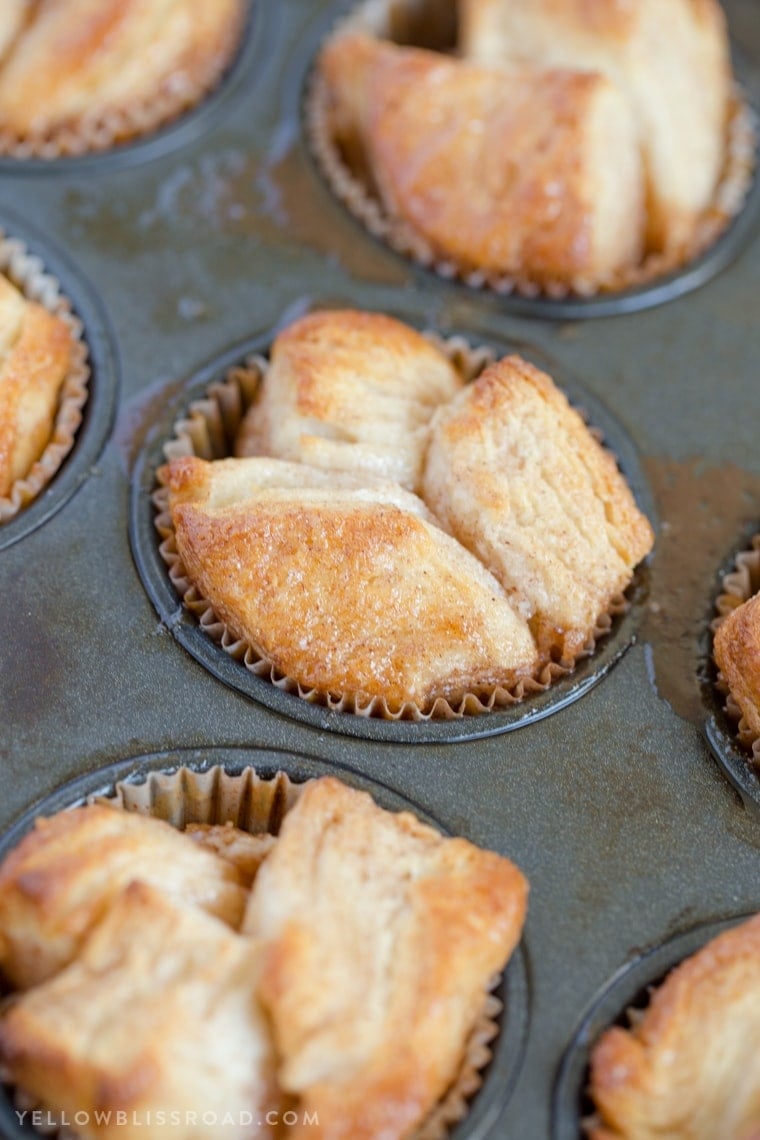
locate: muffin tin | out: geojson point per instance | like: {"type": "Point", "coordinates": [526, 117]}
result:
{"type": "Point", "coordinates": [183, 252]}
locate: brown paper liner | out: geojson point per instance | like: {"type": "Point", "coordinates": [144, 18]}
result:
{"type": "Point", "coordinates": [258, 804]}
{"type": "Point", "coordinates": [737, 587]}
{"type": "Point", "coordinates": [404, 21]}
{"type": "Point", "coordinates": [208, 432]}
{"type": "Point", "coordinates": [95, 132]}
{"type": "Point", "coordinates": [28, 274]}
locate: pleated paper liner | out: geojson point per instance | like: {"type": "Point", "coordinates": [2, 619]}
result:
{"type": "Point", "coordinates": [28, 274]}
{"type": "Point", "coordinates": [208, 431]}
{"type": "Point", "coordinates": [94, 132]}
{"type": "Point", "coordinates": [258, 805]}
{"type": "Point", "coordinates": [420, 22]}
{"type": "Point", "coordinates": [737, 587]}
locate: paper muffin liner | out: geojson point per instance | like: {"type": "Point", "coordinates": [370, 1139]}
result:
{"type": "Point", "coordinates": [208, 431]}
{"type": "Point", "coordinates": [28, 274]}
{"type": "Point", "coordinates": [737, 587]}
{"type": "Point", "coordinates": [93, 132]}
{"type": "Point", "coordinates": [419, 22]}
{"type": "Point", "coordinates": [258, 805]}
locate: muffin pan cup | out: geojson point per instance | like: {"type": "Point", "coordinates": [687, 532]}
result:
{"type": "Point", "coordinates": [254, 791]}
{"type": "Point", "coordinates": [660, 276]}
{"type": "Point", "coordinates": [181, 254]}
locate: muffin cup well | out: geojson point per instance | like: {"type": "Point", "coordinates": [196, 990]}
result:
{"type": "Point", "coordinates": [208, 431]}
{"type": "Point", "coordinates": [621, 1001]}
{"type": "Point", "coordinates": [419, 22]}
{"type": "Point", "coordinates": [258, 804]}
{"type": "Point", "coordinates": [28, 274]}
{"type": "Point", "coordinates": [93, 133]}
{"type": "Point", "coordinates": [737, 587]}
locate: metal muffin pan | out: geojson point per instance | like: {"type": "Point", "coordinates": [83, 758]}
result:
{"type": "Point", "coordinates": [195, 245]}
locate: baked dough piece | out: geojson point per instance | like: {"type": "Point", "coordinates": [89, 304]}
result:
{"type": "Point", "coordinates": [380, 940]}
{"type": "Point", "coordinates": [63, 875]}
{"type": "Point", "coordinates": [737, 652]}
{"type": "Point", "coordinates": [351, 391]}
{"type": "Point", "coordinates": [515, 473]}
{"type": "Point", "coordinates": [81, 59]}
{"type": "Point", "coordinates": [245, 851]}
{"type": "Point", "coordinates": [346, 586]}
{"type": "Point", "coordinates": [690, 1069]}
{"type": "Point", "coordinates": [35, 355]}
{"type": "Point", "coordinates": [669, 57]}
{"type": "Point", "coordinates": [13, 17]}
{"type": "Point", "coordinates": [534, 172]}
{"type": "Point", "coordinates": [158, 1020]}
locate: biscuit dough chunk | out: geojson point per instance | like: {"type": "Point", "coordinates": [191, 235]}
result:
{"type": "Point", "coordinates": [346, 586]}
{"type": "Point", "coordinates": [56, 885]}
{"type": "Point", "coordinates": [690, 1069]}
{"type": "Point", "coordinates": [737, 652]}
{"type": "Point", "coordinates": [530, 171]}
{"type": "Point", "coordinates": [350, 391]}
{"type": "Point", "coordinates": [669, 58]}
{"type": "Point", "coordinates": [155, 1030]}
{"type": "Point", "coordinates": [78, 59]}
{"type": "Point", "coordinates": [35, 355]}
{"type": "Point", "coordinates": [381, 937]}
{"type": "Point", "coordinates": [515, 474]}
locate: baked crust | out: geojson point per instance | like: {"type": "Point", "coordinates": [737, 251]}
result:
{"type": "Point", "coordinates": [35, 356]}
{"type": "Point", "coordinates": [671, 60]}
{"type": "Point", "coordinates": [245, 851]}
{"type": "Point", "coordinates": [350, 391]}
{"type": "Point", "coordinates": [65, 873]}
{"type": "Point", "coordinates": [346, 586]}
{"type": "Point", "coordinates": [364, 909]}
{"type": "Point", "coordinates": [80, 60]}
{"type": "Point", "coordinates": [688, 1070]}
{"type": "Point", "coordinates": [737, 652]}
{"type": "Point", "coordinates": [158, 1015]}
{"type": "Point", "coordinates": [516, 475]}
{"type": "Point", "coordinates": [531, 171]}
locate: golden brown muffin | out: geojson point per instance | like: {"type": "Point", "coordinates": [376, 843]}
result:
{"type": "Point", "coordinates": [35, 355]}
{"type": "Point", "coordinates": [346, 586]}
{"type": "Point", "coordinates": [158, 1020]}
{"type": "Point", "coordinates": [737, 652]}
{"type": "Point", "coordinates": [671, 60]}
{"type": "Point", "coordinates": [63, 875]}
{"type": "Point", "coordinates": [79, 60]}
{"type": "Point", "coordinates": [532, 172]}
{"type": "Point", "coordinates": [366, 910]}
{"type": "Point", "coordinates": [689, 1069]}
{"type": "Point", "coordinates": [351, 391]}
{"type": "Point", "coordinates": [516, 475]}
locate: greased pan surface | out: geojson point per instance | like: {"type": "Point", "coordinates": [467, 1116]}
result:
{"type": "Point", "coordinates": [206, 238]}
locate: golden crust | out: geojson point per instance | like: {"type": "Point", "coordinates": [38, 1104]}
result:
{"type": "Point", "coordinates": [82, 59]}
{"type": "Point", "coordinates": [35, 356]}
{"type": "Point", "coordinates": [365, 909]}
{"type": "Point", "coordinates": [515, 473]}
{"type": "Point", "coordinates": [158, 1014]}
{"type": "Point", "coordinates": [64, 874]}
{"type": "Point", "coordinates": [345, 586]}
{"type": "Point", "coordinates": [689, 1069]}
{"type": "Point", "coordinates": [532, 171]}
{"type": "Point", "coordinates": [670, 59]}
{"type": "Point", "coordinates": [737, 652]}
{"type": "Point", "coordinates": [350, 391]}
